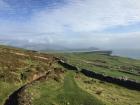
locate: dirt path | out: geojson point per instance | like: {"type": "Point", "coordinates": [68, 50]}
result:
{"type": "Point", "coordinates": [25, 55]}
{"type": "Point", "coordinates": [13, 99]}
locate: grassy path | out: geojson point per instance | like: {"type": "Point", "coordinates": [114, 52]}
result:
{"type": "Point", "coordinates": [64, 93]}
{"type": "Point", "coordinates": [73, 95]}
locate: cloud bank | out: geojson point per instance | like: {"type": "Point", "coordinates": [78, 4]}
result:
{"type": "Point", "coordinates": [77, 23]}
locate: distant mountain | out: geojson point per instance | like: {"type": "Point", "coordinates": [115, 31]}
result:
{"type": "Point", "coordinates": [43, 46]}
{"type": "Point", "coordinates": [54, 47]}
{"type": "Point", "coordinates": [84, 49]}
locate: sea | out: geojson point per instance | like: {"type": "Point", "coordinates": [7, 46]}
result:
{"type": "Point", "coordinates": [130, 53]}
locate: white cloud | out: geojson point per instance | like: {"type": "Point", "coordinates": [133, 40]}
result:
{"type": "Point", "coordinates": [76, 23]}
{"type": "Point", "coordinates": [89, 15]}
{"type": "Point", "coordinates": [85, 15]}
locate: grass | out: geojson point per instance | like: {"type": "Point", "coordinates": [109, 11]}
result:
{"type": "Point", "coordinates": [6, 89]}
{"type": "Point", "coordinates": [73, 95]}
{"type": "Point", "coordinates": [67, 88]}
{"type": "Point", "coordinates": [13, 65]}
{"type": "Point", "coordinates": [110, 94]}
{"type": "Point", "coordinates": [109, 65]}
{"type": "Point", "coordinates": [16, 70]}
{"type": "Point", "coordinates": [64, 93]}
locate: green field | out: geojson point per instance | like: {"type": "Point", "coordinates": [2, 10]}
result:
{"type": "Point", "coordinates": [110, 94]}
{"type": "Point", "coordinates": [62, 86]}
{"type": "Point", "coordinates": [114, 66]}
{"type": "Point", "coordinates": [65, 93]}
{"type": "Point", "coordinates": [77, 89]}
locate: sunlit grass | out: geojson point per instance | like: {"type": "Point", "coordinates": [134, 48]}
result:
{"type": "Point", "coordinates": [111, 94]}
{"type": "Point", "coordinates": [104, 64]}
{"type": "Point", "coordinates": [64, 93]}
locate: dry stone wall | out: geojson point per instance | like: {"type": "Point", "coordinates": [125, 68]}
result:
{"type": "Point", "coordinates": [125, 83]}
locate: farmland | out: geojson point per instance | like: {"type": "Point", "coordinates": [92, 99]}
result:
{"type": "Point", "coordinates": [114, 66]}
{"type": "Point", "coordinates": [40, 80]}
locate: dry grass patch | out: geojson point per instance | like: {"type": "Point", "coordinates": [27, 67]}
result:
{"type": "Point", "coordinates": [109, 93]}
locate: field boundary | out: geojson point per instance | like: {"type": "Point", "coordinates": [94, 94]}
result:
{"type": "Point", "coordinates": [13, 98]}
{"type": "Point", "coordinates": [122, 82]}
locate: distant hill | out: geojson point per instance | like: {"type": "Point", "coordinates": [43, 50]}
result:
{"type": "Point", "coordinates": [43, 46]}
{"type": "Point", "coordinates": [88, 49]}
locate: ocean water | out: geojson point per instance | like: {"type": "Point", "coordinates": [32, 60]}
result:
{"type": "Point", "coordinates": [135, 53]}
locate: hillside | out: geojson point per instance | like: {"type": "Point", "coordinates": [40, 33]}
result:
{"type": "Point", "coordinates": [23, 71]}
{"type": "Point", "coordinates": [36, 78]}
{"type": "Point", "coordinates": [18, 67]}
{"type": "Point", "coordinates": [115, 66]}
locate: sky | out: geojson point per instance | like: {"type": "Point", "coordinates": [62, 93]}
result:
{"type": "Point", "coordinates": [109, 24]}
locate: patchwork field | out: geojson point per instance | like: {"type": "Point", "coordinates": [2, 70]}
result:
{"type": "Point", "coordinates": [114, 66]}
{"type": "Point", "coordinates": [35, 78]}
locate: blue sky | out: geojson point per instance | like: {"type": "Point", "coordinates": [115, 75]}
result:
{"type": "Point", "coordinates": [77, 23]}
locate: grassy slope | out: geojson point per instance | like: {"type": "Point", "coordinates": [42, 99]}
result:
{"type": "Point", "coordinates": [6, 89]}
{"type": "Point", "coordinates": [64, 93]}
{"type": "Point", "coordinates": [8, 78]}
{"type": "Point", "coordinates": [112, 65]}
{"type": "Point", "coordinates": [74, 95]}
{"type": "Point", "coordinates": [16, 70]}
{"type": "Point", "coordinates": [109, 93]}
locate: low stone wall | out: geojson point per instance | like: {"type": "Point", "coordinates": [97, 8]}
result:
{"type": "Point", "coordinates": [68, 66]}
{"type": "Point", "coordinates": [125, 83]}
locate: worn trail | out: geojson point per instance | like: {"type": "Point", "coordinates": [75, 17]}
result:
{"type": "Point", "coordinates": [13, 99]}
{"type": "Point", "coordinates": [72, 94]}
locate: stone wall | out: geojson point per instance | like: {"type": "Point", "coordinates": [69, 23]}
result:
{"type": "Point", "coordinates": [68, 66]}
{"type": "Point", "coordinates": [125, 83]}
